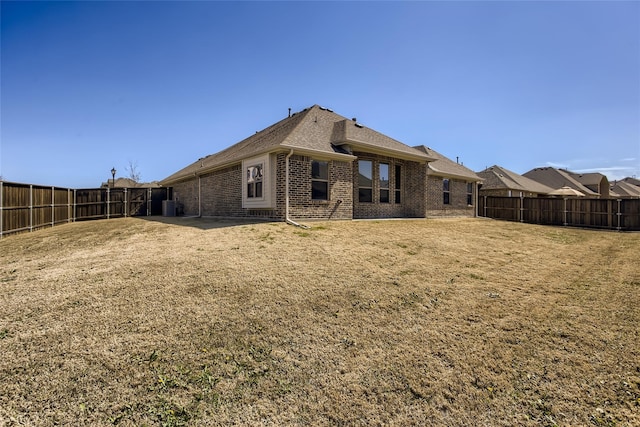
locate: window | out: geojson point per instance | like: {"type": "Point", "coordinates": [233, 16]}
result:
{"type": "Point", "coordinates": [319, 180]}
{"type": "Point", "coordinates": [445, 191]}
{"type": "Point", "coordinates": [254, 181]}
{"type": "Point", "coordinates": [397, 183]}
{"type": "Point", "coordinates": [365, 181]}
{"type": "Point", "coordinates": [469, 193]}
{"type": "Point", "coordinates": [383, 177]}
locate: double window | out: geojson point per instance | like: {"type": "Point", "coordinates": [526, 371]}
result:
{"type": "Point", "coordinates": [254, 181]}
{"type": "Point", "coordinates": [319, 180]}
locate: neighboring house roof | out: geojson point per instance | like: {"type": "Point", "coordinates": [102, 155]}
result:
{"type": "Point", "coordinates": [499, 178]}
{"type": "Point", "coordinates": [129, 183]}
{"type": "Point", "coordinates": [558, 178]}
{"type": "Point", "coordinates": [633, 181]}
{"type": "Point", "coordinates": [443, 166]}
{"type": "Point", "coordinates": [315, 131]}
{"type": "Point", "coordinates": [625, 189]}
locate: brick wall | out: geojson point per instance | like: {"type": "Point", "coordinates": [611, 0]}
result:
{"type": "Point", "coordinates": [301, 206]}
{"type": "Point", "coordinates": [413, 177]}
{"type": "Point", "coordinates": [457, 198]}
{"type": "Point", "coordinates": [186, 196]}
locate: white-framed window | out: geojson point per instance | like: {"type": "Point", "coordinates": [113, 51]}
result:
{"type": "Point", "coordinates": [255, 174]}
{"type": "Point", "coordinates": [319, 180]}
{"type": "Point", "coordinates": [257, 182]}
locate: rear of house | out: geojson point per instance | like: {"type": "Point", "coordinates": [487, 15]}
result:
{"type": "Point", "coordinates": [314, 164]}
{"type": "Point", "coordinates": [452, 189]}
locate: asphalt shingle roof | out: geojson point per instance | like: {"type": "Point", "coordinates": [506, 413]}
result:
{"type": "Point", "coordinates": [499, 178]}
{"type": "Point", "coordinates": [558, 178]}
{"type": "Point", "coordinates": [443, 166]}
{"type": "Point", "coordinates": [313, 130]}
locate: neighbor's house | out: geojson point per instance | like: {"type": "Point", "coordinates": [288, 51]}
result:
{"type": "Point", "coordinates": [314, 164]}
{"type": "Point", "coordinates": [498, 181]}
{"type": "Point", "coordinates": [452, 189]}
{"type": "Point", "coordinates": [593, 185]}
{"type": "Point", "coordinates": [129, 183]}
{"type": "Point", "coordinates": [624, 190]}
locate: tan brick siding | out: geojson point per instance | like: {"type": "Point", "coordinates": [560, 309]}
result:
{"type": "Point", "coordinates": [457, 198]}
{"type": "Point", "coordinates": [301, 206]}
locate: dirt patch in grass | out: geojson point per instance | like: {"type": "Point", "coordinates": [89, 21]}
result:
{"type": "Point", "coordinates": [429, 322]}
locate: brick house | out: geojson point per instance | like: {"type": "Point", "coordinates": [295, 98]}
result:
{"type": "Point", "coordinates": [499, 181]}
{"type": "Point", "coordinates": [594, 185]}
{"type": "Point", "coordinates": [314, 164]}
{"type": "Point", "coordinates": [452, 189]}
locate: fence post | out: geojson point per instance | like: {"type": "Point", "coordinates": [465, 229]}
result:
{"type": "Point", "coordinates": [565, 212]}
{"type": "Point", "coordinates": [30, 207]}
{"type": "Point", "coordinates": [619, 214]}
{"type": "Point", "coordinates": [68, 205]}
{"type": "Point", "coordinates": [484, 208]}
{"type": "Point", "coordinates": [126, 203]}
{"type": "Point", "coordinates": [75, 204]}
{"type": "Point", "coordinates": [521, 213]}
{"type": "Point", "coordinates": [108, 202]}
{"type": "Point", "coordinates": [149, 201]}
{"type": "Point", "coordinates": [53, 206]}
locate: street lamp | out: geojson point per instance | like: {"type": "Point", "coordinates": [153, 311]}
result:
{"type": "Point", "coordinates": [113, 174]}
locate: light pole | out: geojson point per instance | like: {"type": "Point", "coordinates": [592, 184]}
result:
{"type": "Point", "coordinates": [113, 175]}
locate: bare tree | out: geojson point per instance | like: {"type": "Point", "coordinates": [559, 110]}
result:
{"type": "Point", "coordinates": [132, 171]}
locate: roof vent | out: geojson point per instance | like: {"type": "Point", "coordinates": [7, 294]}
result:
{"type": "Point", "coordinates": [354, 119]}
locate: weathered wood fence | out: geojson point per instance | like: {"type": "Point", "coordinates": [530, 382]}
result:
{"type": "Point", "coordinates": [613, 214]}
{"type": "Point", "coordinates": [26, 207]}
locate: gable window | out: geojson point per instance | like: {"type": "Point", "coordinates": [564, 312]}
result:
{"type": "Point", "coordinates": [365, 181]}
{"type": "Point", "coordinates": [319, 180]}
{"type": "Point", "coordinates": [397, 183]}
{"type": "Point", "coordinates": [445, 191]}
{"type": "Point", "coordinates": [383, 176]}
{"type": "Point", "coordinates": [469, 193]}
{"type": "Point", "coordinates": [254, 181]}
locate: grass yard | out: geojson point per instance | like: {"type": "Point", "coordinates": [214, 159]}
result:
{"type": "Point", "coordinates": [198, 322]}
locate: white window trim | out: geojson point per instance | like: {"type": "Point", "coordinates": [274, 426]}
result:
{"type": "Point", "coordinates": [268, 181]}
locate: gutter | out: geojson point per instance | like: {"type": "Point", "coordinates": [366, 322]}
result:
{"type": "Point", "coordinates": [286, 186]}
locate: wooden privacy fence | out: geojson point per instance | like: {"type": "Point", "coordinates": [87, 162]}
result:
{"type": "Point", "coordinates": [613, 214]}
{"type": "Point", "coordinates": [26, 207]}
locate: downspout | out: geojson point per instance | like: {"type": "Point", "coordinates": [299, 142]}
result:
{"type": "Point", "coordinates": [286, 189]}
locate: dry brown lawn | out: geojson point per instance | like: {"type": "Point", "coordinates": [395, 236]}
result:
{"type": "Point", "coordinates": [450, 322]}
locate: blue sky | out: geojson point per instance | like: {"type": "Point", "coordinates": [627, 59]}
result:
{"type": "Point", "coordinates": [87, 86]}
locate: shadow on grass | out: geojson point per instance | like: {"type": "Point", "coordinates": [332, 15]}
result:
{"type": "Point", "coordinates": [205, 223]}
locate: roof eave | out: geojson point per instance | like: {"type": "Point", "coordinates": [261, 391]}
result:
{"type": "Point", "coordinates": [375, 149]}
{"type": "Point", "coordinates": [317, 153]}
